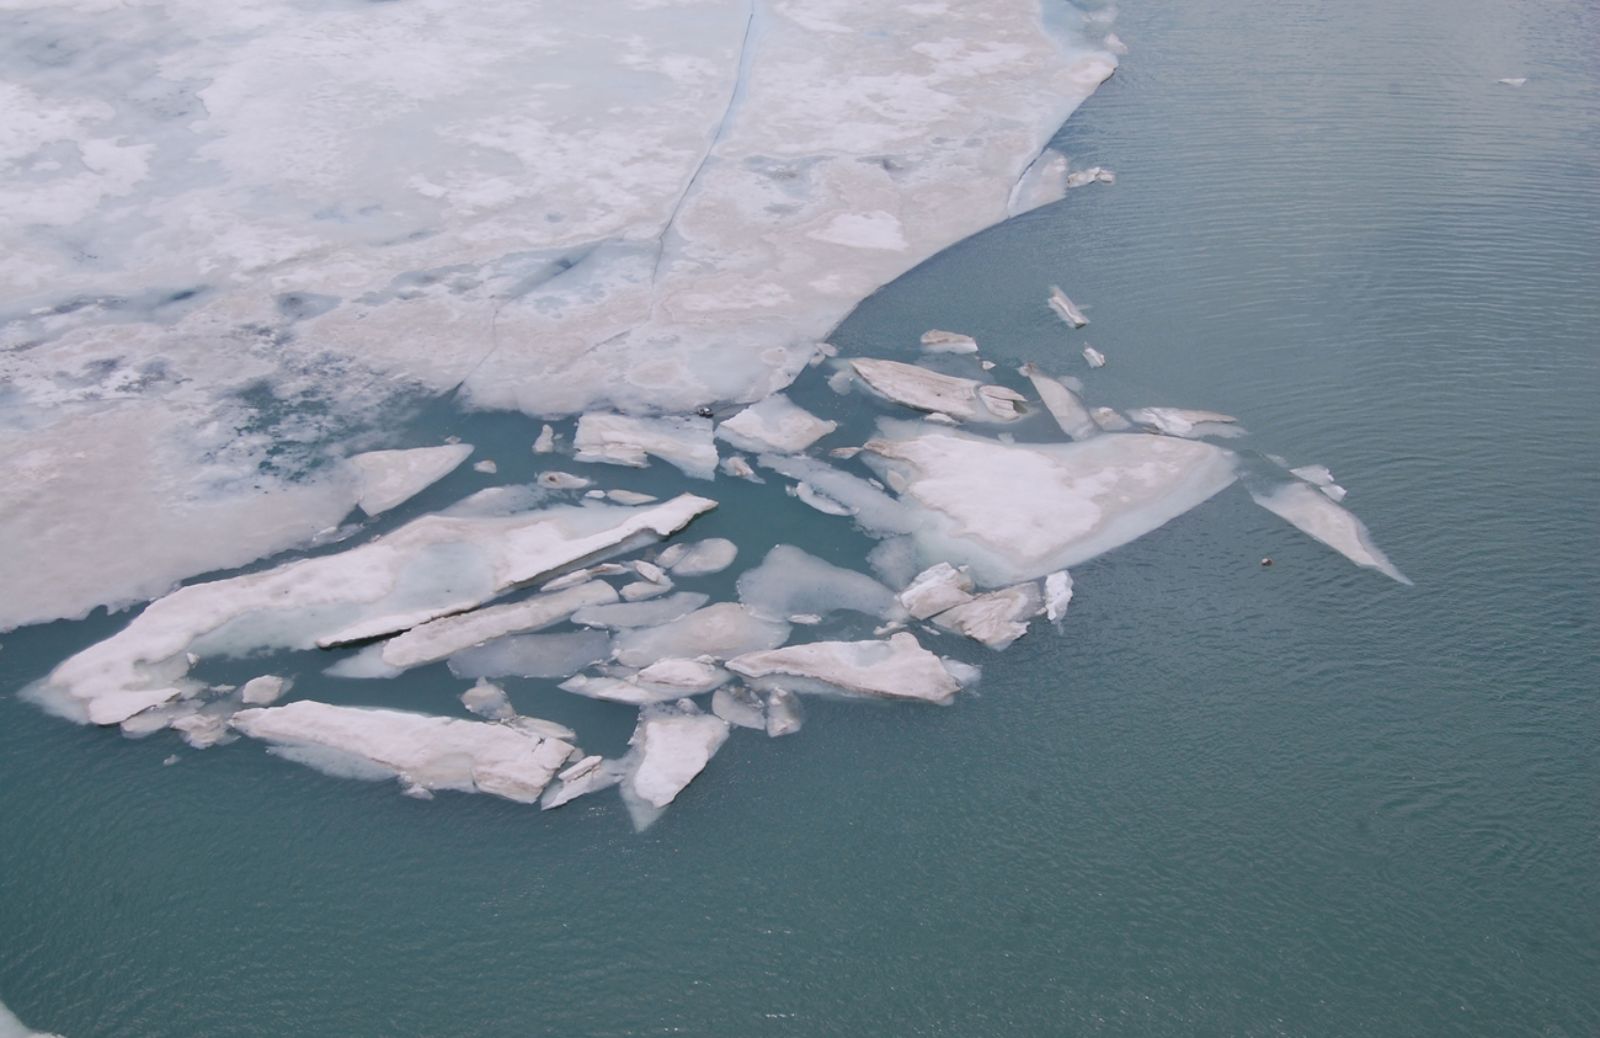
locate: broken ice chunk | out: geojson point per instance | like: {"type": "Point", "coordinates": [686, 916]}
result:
{"type": "Point", "coordinates": [964, 399]}
{"type": "Point", "coordinates": [1109, 419]}
{"type": "Point", "coordinates": [784, 716]}
{"type": "Point", "coordinates": [619, 439]}
{"type": "Point", "coordinates": [487, 699]}
{"type": "Point", "coordinates": [687, 677]}
{"type": "Point", "coordinates": [390, 478]}
{"type": "Point", "coordinates": [821, 502]}
{"type": "Point", "coordinates": [641, 614]}
{"type": "Point", "coordinates": [1304, 507]}
{"type": "Point", "coordinates": [790, 581]}
{"type": "Point", "coordinates": [872, 508]}
{"type": "Point", "coordinates": [1513, 81]}
{"type": "Point", "coordinates": [1062, 403]}
{"type": "Point", "coordinates": [1065, 308]}
{"type": "Point", "coordinates": [703, 558]}
{"type": "Point", "coordinates": [650, 571]}
{"type": "Point", "coordinates": [1181, 421]}
{"type": "Point", "coordinates": [670, 746]}
{"type": "Point", "coordinates": [612, 689]}
{"type": "Point", "coordinates": [1092, 175]}
{"type": "Point", "coordinates": [776, 424]}
{"type": "Point", "coordinates": [553, 480]}
{"type": "Point", "coordinates": [486, 466]}
{"type": "Point", "coordinates": [629, 497]}
{"type": "Point", "coordinates": [546, 442]}
{"type": "Point", "coordinates": [426, 752]}
{"type": "Point", "coordinates": [736, 466]}
{"type": "Point", "coordinates": [1095, 358]}
{"type": "Point", "coordinates": [640, 590]}
{"type": "Point", "coordinates": [899, 668]}
{"type": "Point", "coordinates": [936, 589]}
{"type": "Point", "coordinates": [589, 775]}
{"type": "Point", "coordinates": [936, 341]}
{"type": "Point", "coordinates": [1321, 477]}
{"type": "Point", "coordinates": [1057, 593]}
{"type": "Point", "coordinates": [264, 690]}
{"type": "Point", "coordinates": [997, 618]}
{"type": "Point", "coordinates": [532, 655]}
{"type": "Point", "coordinates": [448, 635]}
{"type": "Point", "coordinates": [739, 706]}
{"type": "Point", "coordinates": [720, 631]}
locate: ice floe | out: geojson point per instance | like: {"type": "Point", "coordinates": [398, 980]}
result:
{"type": "Point", "coordinates": [937, 341]}
{"type": "Point", "coordinates": [1306, 508]}
{"type": "Point", "coordinates": [963, 399]}
{"type": "Point", "coordinates": [996, 618]}
{"type": "Point", "coordinates": [1057, 595]}
{"type": "Point", "coordinates": [425, 752]}
{"type": "Point", "coordinates": [703, 558]}
{"type": "Point", "coordinates": [590, 775]}
{"type": "Point", "coordinates": [436, 639]}
{"type": "Point", "coordinates": [937, 588]}
{"type": "Point", "coordinates": [1094, 357]}
{"type": "Point", "coordinates": [784, 713]}
{"type": "Point", "coordinates": [684, 441]}
{"type": "Point", "coordinates": [391, 478]}
{"type": "Point", "coordinates": [1181, 421]}
{"type": "Point", "coordinates": [1062, 403]}
{"type": "Point", "coordinates": [1065, 308]}
{"type": "Point", "coordinates": [489, 700]}
{"type": "Point", "coordinates": [264, 690]}
{"type": "Point", "coordinates": [1321, 477]}
{"type": "Point", "coordinates": [739, 706]}
{"type": "Point", "coordinates": [721, 630]}
{"type": "Point", "coordinates": [650, 613]}
{"type": "Point", "coordinates": [532, 655]}
{"type": "Point", "coordinates": [11, 1027]}
{"type": "Point", "coordinates": [898, 668]}
{"type": "Point", "coordinates": [670, 746]}
{"type": "Point", "coordinates": [774, 425]}
{"type": "Point", "coordinates": [790, 581]}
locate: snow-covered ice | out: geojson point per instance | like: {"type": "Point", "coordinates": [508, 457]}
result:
{"type": "Point", "coordinates": [1065, 308]}
{"type": "Point", "coordinates": [436, 639]}
{"type": "Point", "coordinates": [1186, 422]}
{"type": "Point", "coordinates": [703, 558]}
{"type": "Point", "coordinates": [996, 618]}
{"type": "Point", "coordinates": [1057, 595]}
{"type": "Point", "coordinates": [263, 690]}
{"type": "Point", "coordinates": [683, 440]}
{"type": "Point", "coordinates": [1309, 510]}
{"type": "Point", "coordinates": [486, 699]}
{"type": "Point", "coordinates": [791, 581]}
{"type": "Point", "coordinates": [963, 399]}
{"type": "Point", "coordinates": [532, 655]}
{"type": "Point", "coordinates": [776, 425]}
{"type": "Point", "coordinates": [936, 341]}
{"type": "Point", "coordinates": [937, 588]}
{"type": "Point", "coordinates": [651, 613]}
{"type": "Point", "coordinates": [670, 746]}
{"type": "Point", "coordinates": [899, 668]}
{"type": "Point", "coordinates": [722, 630]}
{"type": "Point", "coordinates": [391, 478]}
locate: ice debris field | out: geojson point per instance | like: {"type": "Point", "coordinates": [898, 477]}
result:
{"type": "Point", "coordinates": [633, 229]}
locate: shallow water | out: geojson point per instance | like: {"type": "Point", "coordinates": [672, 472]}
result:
{"type": "Point", "coordinates": [1228, 800]}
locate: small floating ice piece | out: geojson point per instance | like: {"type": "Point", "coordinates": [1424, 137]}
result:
{"type": "Point", "coordinates": [1092, 175]}
{"type": "Point", "coordinates": [844, 453]}
{"type": "Point", "coordinates": [1094, 357]}
{"type": "Point", "coordinates": [821, 502]}
{"type": "Point", "coordinates": [650, 571]}
{"type": "Point", "coordinates": [641, 614]}
{"type": "Point", "coordinates": [1065, 308]}
{"type": "Point", "coordinates": [546, 442]}
{"type": "Point", "coordinates": [554, 480]}
{"type": "Point", "coordinates": [1062, 403]}
{"type": "Point", "coordinates": [871, 507]}
{"type": "Point", "coordinates": [1306, 508]}
{"type": "Point", "coordinates": [739, 706]}
{"type": "Point", "coordinates": [720, 631]}
{"type": "Point", "coordinates": [687, 677]}
{"type": "Point", "coordinates": [532, 655]}
{"type": "Point", "coordinates": [775, 425]}
{"type": "Point", "coordinates": [489, 700]}
{"type": "Point", "coordinates": [640, 590]}
{"type": "Point", "coordinates": [997, 618]}
{"type": "Point", "coordinates": [612, 689]}
{"type": "Point", "coordinates": [670, 746]}
{"type": "Point", "coordinates": [736, 466]}
{"type": "Point", "coordinates": [964, 399]}
{"type": "Point", "coordinates": [937, 341]}
{"type": "Point", "coordinates": [619, 439]}
{"type": "Point", "coordinates": [703, 558]}
{"type": "Point", "coordinates": [1513, 81]}
{"type": "Point", "coordinates": [899, 668]}
{"type": "Point", "coordinates": [589, 775]}
{"type": "Point", "coordinates": [1043, 182]}
{"type": "Point", "coordinates": [784, 716]}
{"type": "Point", "coordinates": [790, 581]}
{"type": "Point", "coordinates": [207, 727]}
{"type": "Point", "coordinates": [1109, 419]}
{"type": "Point", "coordinates": [1321, 477]}
{"type": "Point", "coordinates": [390, 478]}
{"type": "Point", "coordinates": [264, 690]}
{"type": "Point", "coordinates": [935, 589]}
{"type": "Point", "coordinates": [1114, 44]}
{"type": "Point", "coordinates": [629, 497]}
{"type": "Point", "coordinates": [425, 752]}
{"type": "Point", "coordinates": [1057, 594]}
{"type": "Point", "coordinates": [448, 635]}
{"type": "Point", "coordinates": [1180, 421]}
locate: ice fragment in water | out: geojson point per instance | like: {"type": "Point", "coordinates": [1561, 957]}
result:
{"type": "Point", "coordinates": [964, 399]}
{"type": "Point", "coordinates": [736, 466]}
{"type": "Point", "coordinates": [554, 480]}
{"type": "Point", "coordinates": [1513, 81]}
{"type": "Point", "coordinates": [629, 497]}
{"type": "Point", "coordinates": [720, 630]}
{"type": "Point", "coordinates": [448, 635]}
{"type": "Point", "coordinates": [1180, 421]}
{"type": "Point", "coordinates": [1095, 358]}
{"type": "Point", "coordinates": [776, 424]}
{"type": "Point", "coordinates": [589, 775]}
{"type": "Point", "coordinates": [936, 341]}
{"type": "Point", "coordinates": [712, 555]}
{"type": "Point", "coordinates": [821, 502]}
{"type": "Point", "coordinates": [1057, 594]}
{"type": "Point", "coordinates": [264, 690]}
{"type": "Point", "coordinates": [687, 677]}
{"type": "Point", "coordinates": [389, 478]}
{"type": "Point", "coordinates": [1306, 508]}
{"type": "Point", "coordinates": [1321, 477]}
{"type": "Point", "coordinates": [1062, 403]}
{"type": "Point", "coordinates": [532, 655]}
{"type": "Point", "coordinates": [784, 716]}
{"type": "Point", "coordinates": [640, 590]}
{"type": "Point", "coordinates": [641, 614]}
{"type": "Point", "coordinates": [651, 572]}
{"type": "Point", "coordinates": [899, 668]}
{"type": "Point", "coordinates": [1092, 175]}
{"type": "Point", "coordinates": [486, 466]}
{"type": "Point", "coordinates": [790, 581]}
{"type": "Point", "coordinates": [626, 440]}
{"type": "Point", "coordinates": [546, 441]}
{"type": "Point", "coordinates": [426, 752]}
{"type": "Point", "coordinates": [670, 746]}
{"type": "Point", "coordinates": [1109, 419]}
{"type": "Point", "coordinates": [1065, 308]}
{"type": "Point", "coordinates": [489, 700]}
{"type": "Point", "coordinates": [1043, 182]}
{"type": "Point", "coordinates": [739, 706]}
{"type": "Point", "coordinates": [997, 618]}
{"type": "Point", "coordinates": [613, 689]}
{"type": "Point", "coordinates": [935, 589]}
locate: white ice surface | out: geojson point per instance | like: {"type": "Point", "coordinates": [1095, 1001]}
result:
{"type": "Point", "coordinates": [1062, 403]}
{"type": "Point", "coordinates": [775, 425]}
{"type": "Point", "coordinates": [532, 655]}
{"type": "Point", "coordinates": [11, 1027]}
{"type": "Point", "coordinates": [996, 618]}
{"type": "Point", "coordinates": [425, 752]}
{"type": "Point", "coordinates": [1094, 357]}
{"type": "Point", "coordinates": [428, 568]}
{"type": "Point", "coordinates": [739, 706]}
{"type": "Point", "coordinates": [1308, 509]}
{"type": "Point", "coordinates": [263, 691]}
{"type": "Point", "coordinates": [436, 639]}
{"type": "Point", "coordinates": [390, 478]}
{"type": "Point", "coordinates": [488, 700]}
{"type": "Point", "coordinates": [784, 713]}
{"type": "Point", "coordinates": [703, 558]}
{"type": "Point", "coordinates": [791, 581]}
{"type": "Point", "coordinates": [899, 668]}
{"type": "Point", "coordinates": [937, 341]}
{"type": "Point", "coordinates": [670, 746]}
{"type": "Point", "coordinates": [625, 440]}
{"type": "Point", "coordinates": [1057, 595]}
{"type": "Point", "coordinates": [720, 630]}
{"type": "Point", "coordinates": [963, 399]}
{"type": "Point", "coordinates": [651, 613]}
{"type": "Point", "coordinates": [1016, 512]}
{"type": "Point", "coordinates": [1182, 421]}
{"type": "Point", "coordinates": [937, 588]}
{"type": "Point", "coordinates": [1066, 309]}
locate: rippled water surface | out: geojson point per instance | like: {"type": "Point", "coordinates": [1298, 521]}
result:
{"type": "Point", "coordinates": [1229, 800]}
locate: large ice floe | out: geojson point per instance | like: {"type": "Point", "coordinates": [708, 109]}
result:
{"type": "Point", "coordinates": [245, 247]}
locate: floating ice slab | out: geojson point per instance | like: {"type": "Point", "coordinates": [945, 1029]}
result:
{"type": "Point", "coordinates": [682, 441]}
{"type": "Point", "coordinates": [790, 581]}
{"type": "Point", "coordinates": [936, 341]}
{"type": "Point", "coordinates": [1016, 512]}
{"type": "Point", "coordinates": [670, 746]}
{"type": "Point", "coordinates": [997, 618]}
{"type": "Point", "coordinates": [1321, 477]}
{"type": "Point", "coordinates": [391, 478]}
{"type": "Point", "coordinates": [1094, 357]}
{"type": "Point", "coordinates": [11, 1027]}
{"type": "Point", "coordinates": [963, 399]}
{"type": "Point", "coordinates": [532, 655]}
{"type": "Point", "coordinates": [1180, 421]}
{"type": "Point", "coordinates": [1065, 308]}
{"type": "Point", "coordinates": [1057, 595]}
{"type": "Point", "coordinates": [1306, 508]}
{"type": "Point", "coordinates": [489, 700]}
{"type": "Point", "coordinates": [687, 677]}
{"type": "Point", "coordinates": [784, 713]}
{"type": "Point", "coordinates": [424, 752]}
{"type": "Point", "coordinates": [1092, 175]}
{"type": "Point", "coordinates": [448, 635]}
{"type": "Point", "coordinates": [1062, 403]}
{"type": "Point", "coordinates": [870, 506]}
{"type": "Point", "coordinates": [263, 691]}
{"type": "Point", "coordinates": [589, 775]}
{"type": "Point", "coordinates": [776, 425]}
{"type": "Point", "coordinates": [613, 689]}
{"type": "Point", "coordinates": [739, 706]}
{"type": "Point", "coordinates": [935, 589]}
{"type": "Point", "coordinates": [703, 558]}
{"type": "Point", "coordinates": [720, 631]}
{"type": "Point", "coordinates": [428, 568]}
{"type": "Point", "coordinates": [899, 668]}
{"type": "Point", "coordinates": [651, 613]}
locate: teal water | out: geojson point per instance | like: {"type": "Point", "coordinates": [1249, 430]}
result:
{"type": "Point", "coordinates": [1296, 801]}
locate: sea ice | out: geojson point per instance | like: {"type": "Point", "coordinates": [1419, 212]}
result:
{"type": "Point", "coordinates": [423, 751]}
{"type": "Point", "coordinates": [1094, 357]}
{"type": "Point", "coordinates": [1062, 403]}
{"type": "Point", "coordinates": [683, 441]}
{"type": "Point", "coordinates": [1057, 595]}
{"type": "Point", "coordinates": [390, 478]}
{"type": "Point", "coordinates": [720, 630]}
{"type": "Point", "coordinates": [436, 639]}
{"type": "Point", "coordinates": [589, 775]}
{"type": "Point", "coordinates": [937, 341]}
{"type": "Point", "coordinates": [1306, 508]}
{"type": "Point", "coordinates": [1110, 419]}
{"type": "Point", "coordinates": [555, 480]}
{"type": "Point", "coordinates": [739, 706]}
{"type": "Point", "coordinates": [1092, 175]}
{"type": "Point", "coordinates": [1065, 308]}
{"type": "Point", "coordinates": [1179, 421]}
{"type": "Point", "coordinates": [899, 668]}
{"type": "Point", "coordinates": [964, 399]}
{"type": "Point", "coordinates": [488, 700]}
{"type": "Point", "coordinates": [532, 655]}
{"type": "Point", "coordinates": [935, 589]}
{"type": "Point", "coordinates": [651, 613]}
{"type": "Point", "coordinates": [670, 746]}
{"type": "Point", "coordinates": [784, 714]}
{"type": "Point", "coordinates": [264, 690]}
{"type": "Point", "coordinates": [997, 618]}
{"type": "Point", "coordinates": [687, 677]}
{"type": "Point", "coordinates": [775, 425]}
{"type": "Point", "coordinates": [1016, 512]}
{"type": "Point", "coordinates": [790, 581]}
{"type": "Point", "coordinates": [629, 497]}
{"type": "Point", "coordinates": [1321, 477]}
{"type": "Point", "coordinates": [545, 442]}
{"type": "Point", "coordinates": [11, 1027]}
{"type": "Point", "coordinates": [703, 558]}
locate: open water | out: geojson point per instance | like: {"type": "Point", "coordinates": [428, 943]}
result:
{"type": "Point", "coordinates": [1227, 801]}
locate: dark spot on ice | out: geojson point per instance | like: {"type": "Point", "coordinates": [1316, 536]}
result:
{"type": "Point", "coordinates": [298, 306]}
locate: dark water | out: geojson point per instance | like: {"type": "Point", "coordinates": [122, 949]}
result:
{"type": "Point", "coordinates": [1228, 801]}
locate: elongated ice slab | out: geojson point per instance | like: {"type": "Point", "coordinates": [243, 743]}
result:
{"type": "Point", "coordinates": [963, 399]}
{"type": "Point", "coordinates": [532, 655]}
{"type": "Point", "coordinates": [791, 581]}
{"type": "Point", "coordinates": [669, 747]}
{"type": "Point", "coordinates": [1066, 309]}
{"type": "Point", "coordinates": [937, 588]}
{"type": "Point", "coordinates": [626, 440]}
{"type": "Point", "coordinates": [1186, 422]}
{"type": "Point", "coordinates": [1062, 403]}
{"type": "Point", "coordinates": [720, 630]}
{"type": "Point", "coordinates": [777, 425]}
{"type": "Point", "coordinates": [391, 478]}
{"type": "Point", "coordinates": [936, 341]}
{"type": "Point", "coordinates": [650, 613]}
{"type": "Point", "coordinates": [436, 639]}
{"type": "Point", "coordinates": [424, 752]}
{"type": "Point", "coordinates": [1309, 510]}
{"type": "Point", "coordinates": [703, 558]}
{"type": "Point", "coordinates": [899, 668]}
{"type": "Point", "coordinates": [996, 618]}
{"type": "Point", "coordinates": [1057, 595]}
{"type": "Point", "coordinates": [430, 567]}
